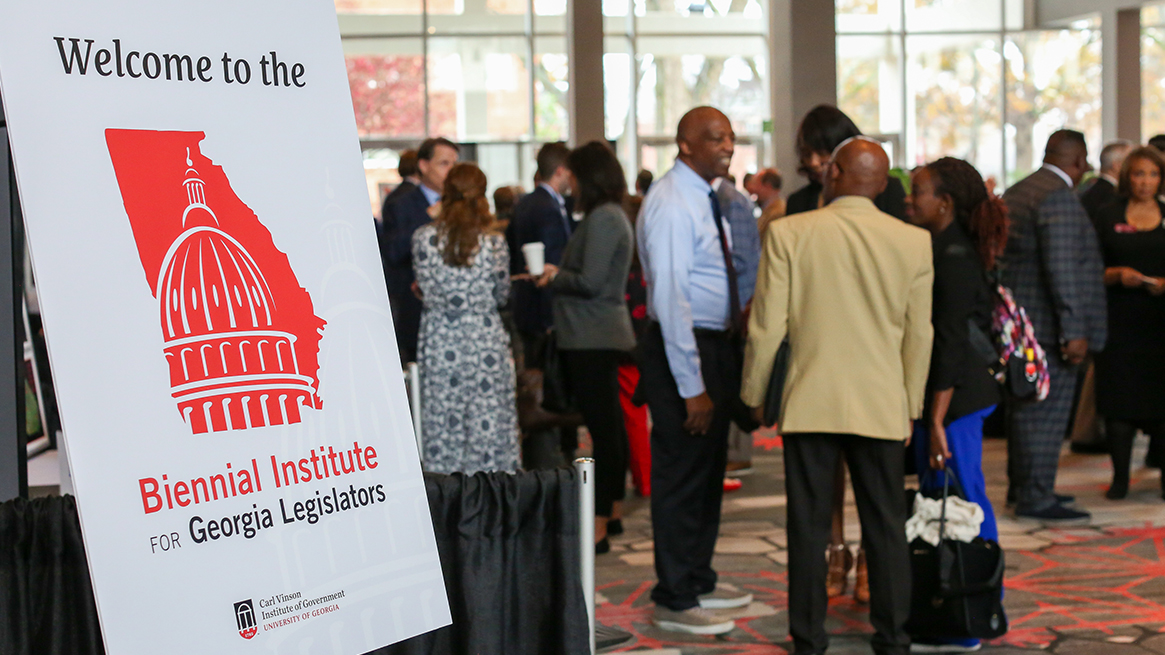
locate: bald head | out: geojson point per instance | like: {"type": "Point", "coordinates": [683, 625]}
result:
{"type": "Point", "coordinates": [706, 142]}
{"type": "Point", "coordinates": [696, 120]}
{"type": "Point", "coordinates": [1064, 143]}
{"type": "Point", "coordinates": [858, 168]}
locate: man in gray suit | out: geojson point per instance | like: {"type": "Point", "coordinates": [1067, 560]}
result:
{"type": "Point", "coordinates": [1054, 269]}
{"type": "Point", "coordinates": [738, 210]}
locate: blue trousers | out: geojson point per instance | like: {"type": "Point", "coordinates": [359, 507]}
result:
{"type": "Point", "coordinates": [965, 441]}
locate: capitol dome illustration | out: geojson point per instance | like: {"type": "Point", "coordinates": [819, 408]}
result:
{"type": "Point", "coordinates": [232, 364]}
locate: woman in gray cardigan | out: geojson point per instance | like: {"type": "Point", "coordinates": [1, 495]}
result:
{"type": "Point", "coordinates": [591, 317]}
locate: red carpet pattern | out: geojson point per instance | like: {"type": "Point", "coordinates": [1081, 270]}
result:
{"type": "Point", "coordinates": [1071, 590]}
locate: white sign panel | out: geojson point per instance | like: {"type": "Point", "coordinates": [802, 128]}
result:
{"type": "Point", "coordinates": [218, 326]}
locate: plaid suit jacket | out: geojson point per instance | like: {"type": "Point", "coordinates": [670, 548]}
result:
{"type": "Point", "coordinates": [1053, 264]}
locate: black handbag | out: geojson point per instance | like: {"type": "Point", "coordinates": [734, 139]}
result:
{"type": "Point", "coordinates": [776, 387]}
{"type": "Point", "coordinates": [957, 589]}
{"type": "Point", "coordinates": [556, 395]}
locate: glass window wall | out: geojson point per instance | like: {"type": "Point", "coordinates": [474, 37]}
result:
{"type": "Point", "coordinates": [490, 74]}
{"type": "Point", "coordinates": [665, 57]}
{"type": "Point", "coordinates": [1053, 80]}
{"type": "Point", "coordinates": [962, 78]}
{"type": "Point", "coordinates": [494, 74]}
{"type": "Point", "coordinates": [1152, 70]}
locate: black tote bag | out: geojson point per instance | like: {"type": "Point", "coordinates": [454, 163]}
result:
{"type": "Point", "coordinates": [957, 589]}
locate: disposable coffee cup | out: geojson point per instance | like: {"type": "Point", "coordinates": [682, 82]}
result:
{"type": "Point", "coordinates": [535, 254]}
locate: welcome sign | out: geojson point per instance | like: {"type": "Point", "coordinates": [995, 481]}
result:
{"type": "Point", "coordinates": [218, 326]}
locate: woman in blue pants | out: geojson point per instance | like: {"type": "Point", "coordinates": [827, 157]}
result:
{"type": "Point", "coordinates": [969, 229]}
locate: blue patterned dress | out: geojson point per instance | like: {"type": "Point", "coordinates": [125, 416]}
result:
{"type": "Point", "coordinates": [469, 415]}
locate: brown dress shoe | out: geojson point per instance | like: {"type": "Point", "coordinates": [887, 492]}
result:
{"type": "Point", "coordinates": [862, 580]}
{"type": "Point", "coordinates": [840, 562]}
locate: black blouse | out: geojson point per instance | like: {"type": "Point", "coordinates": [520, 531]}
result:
{"type": "Point", "coordinates": [963, 301]}
{"type": "Point", "coordinates": [891, 201]}
{"type": "Point", "coordinates": [1136, 319]}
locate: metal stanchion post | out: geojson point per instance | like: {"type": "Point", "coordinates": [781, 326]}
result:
{"type": "Point", "coordinates": [414, 379]}
{"type": "Point", "coordinates": [585, 468]}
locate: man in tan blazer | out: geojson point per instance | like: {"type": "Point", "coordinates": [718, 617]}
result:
{"type": "Point", "coordinates": [850, 287]}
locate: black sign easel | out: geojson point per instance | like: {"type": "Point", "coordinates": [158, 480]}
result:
{"type": "Point", "coordinates": [13, 446]}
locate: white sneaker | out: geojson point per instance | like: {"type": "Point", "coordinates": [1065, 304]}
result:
{"type": "Point", "coordinates": [693, 621]}
{"type": "Point", "coordinates": [725, 597]}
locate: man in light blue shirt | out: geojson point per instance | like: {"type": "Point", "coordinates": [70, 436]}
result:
{"type": "Point", "coordinates": [690, 372]}
{"type": "Point", "coordinates": [687, 281]}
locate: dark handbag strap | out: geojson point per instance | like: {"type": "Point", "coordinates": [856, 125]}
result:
{"type": "Point", "coordinates": [953, 478]}
{"type": "Point", "coordinates": [948, 476]}
{"type": "Point", "coordinates": [945, 586]}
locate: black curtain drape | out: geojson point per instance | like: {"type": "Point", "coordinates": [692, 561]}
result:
{"type": "Point", "coordinates": [509, 547]}
{"type": "Point", "coordinates": [46, 599]}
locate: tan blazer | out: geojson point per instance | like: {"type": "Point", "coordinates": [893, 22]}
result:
{"type": "Point", "coordinates": [851, 286]}
{"type": "Point", "coordinates": [775, 210]}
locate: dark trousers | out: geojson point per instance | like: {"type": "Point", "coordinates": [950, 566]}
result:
{"type": "Point", "coordinates": [533, 348]}
{"type": "Point", "coordinates": [1121, 435]}
{"type": "Point", "coordinates": [593, 376]}
{"type": "Point", "coordinates": [687, 470]}
{"type": "Point", "coordinates": [534, 356]}
{"type": "Point", "coordinates": [1035, 435]}
{"type": "Point", "coordinates": [876, 469]}
{"type": "Point", "coordinates": [406, 318]}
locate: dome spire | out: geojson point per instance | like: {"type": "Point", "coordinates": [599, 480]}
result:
{"type": "Point", "coordinates": [195, 197]}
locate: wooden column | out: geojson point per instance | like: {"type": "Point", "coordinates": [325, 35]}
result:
{"type": "Point", "coordinates": [803, 61]}
{"type": "Point", "coordinates": [584, 45]}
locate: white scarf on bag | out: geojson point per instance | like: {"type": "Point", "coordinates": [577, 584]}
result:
{"type": "Point", "coordinates": [963, 520]}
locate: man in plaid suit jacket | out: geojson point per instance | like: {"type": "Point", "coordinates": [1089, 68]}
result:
{"type": "Point", "coordinates": [1053, 266]}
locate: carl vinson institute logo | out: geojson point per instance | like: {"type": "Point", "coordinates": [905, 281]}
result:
{"type": "Point", "coordinates": [245, 619]}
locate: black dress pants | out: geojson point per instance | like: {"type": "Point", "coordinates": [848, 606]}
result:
{"type": "Point", "coordinates": [687, 470]}
{"type": "Point", "coordinates": [876, 469]}
{"type": "Point", "coordinates": [1122, 433]}
{"type": "Point", "coordinates": [566, 437]}
{"type": "Point", "coordinates": [593, 376]}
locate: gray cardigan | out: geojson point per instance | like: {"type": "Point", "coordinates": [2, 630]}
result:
{"type": "Point", "coordinates": [590, 307]}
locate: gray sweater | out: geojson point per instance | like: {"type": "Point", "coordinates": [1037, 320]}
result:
{"type": "Point", "coordinates": [590, 308]}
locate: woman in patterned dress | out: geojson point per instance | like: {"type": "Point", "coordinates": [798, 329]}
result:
{"type": "Point", "coordinates": [469, 417]}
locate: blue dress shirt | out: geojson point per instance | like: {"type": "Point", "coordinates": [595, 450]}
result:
{"type": "Point", "coordinates": [430, 195]}
{"type": "Point", "coordinates": [683, 265]}
{"type": "Point", "coordinates": [561, 205]}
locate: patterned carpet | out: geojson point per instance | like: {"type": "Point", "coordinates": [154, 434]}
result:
{"type": "Point", "coordinates": [1097, 588]}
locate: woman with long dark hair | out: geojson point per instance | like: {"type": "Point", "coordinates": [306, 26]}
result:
{"type": "Point", "coordinates": [820, 132]}
{"type": "Point", "coordinates": [470, 422]}
{"type": "Point", "coordinates": [591, 317]}
{"type": "Point", "coordinates": [969, 227]}
{"type": "Point", "coordinates": [1130, 373]}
